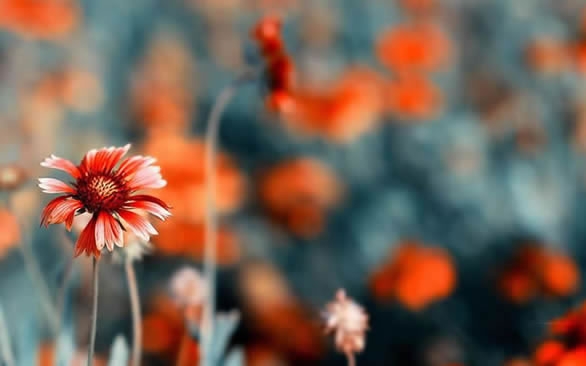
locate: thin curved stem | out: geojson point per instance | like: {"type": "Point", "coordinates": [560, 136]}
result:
{"type": "Point", "coordinates": [211, 224]}
{"type": "Point", "coordinates": [5, 344]}
{"type": "Point", "coordinates": [95, 280]}
{"type": "Point", "coordinates": [136, 315]}
{"type": "Point", "coordinates": [351, 359]}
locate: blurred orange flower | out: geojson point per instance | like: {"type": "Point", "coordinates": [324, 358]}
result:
{"type": "Point", "coordinates": [9, 232]}
{"type": "Point", "coordinates": [415, 275]}
{"type": "Point", "coordinates": [46, 354]}
{"type": "Point", "coordinates": [413, 97]}
{"type": "Point", "coordinates": [182, 163]}
{"type": "Point", "coordinates": [262, 286]}
{"type": "Point", "coordinates": [579, 56]}
{"type": "Point", "coordinates": [547, 55]}
{"type": "Point", "coordinates": [291, 331]}
{"type": "Point", "coordinates": [297, 193]}
{"type": "Point", "coordinates": [341, 112]}
{"type": "Point", "coordinates": [48, 19]}
{"type": "Point", "coordinates": [166, 331]}
{"type": "Point", "coordinates": [162, 92]}
{"type": "Point", "coordinates": [276, 315]}
{"type": "Point", "coordinates": [535, 270]}
{"type": "Point", "coordinates": [518, 361]}
{"type": "Point", "coordinates": [419, 46]}
{"type": "Point", "coordinates": [548, 353]}
{"type": "Point", "coordinates": [188, 351]}
{"type": "Point", "coordinates": [576, 357]}
{"type": "Point", "coordinates": [182, 238]}
{"type": "Point", "coordinates": [263, 355]}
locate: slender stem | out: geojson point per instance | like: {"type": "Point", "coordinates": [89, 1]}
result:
{"type": "Point", "coordinates": [135, 310]}
{"type": "Point", "coordinates": [5, 344]}
{"type": "Point", "coordinates": [351, 359]}
{"type": "Point", "coordinates": [95, 280]}
{"type": "Point", "coordinates": [211, 224]}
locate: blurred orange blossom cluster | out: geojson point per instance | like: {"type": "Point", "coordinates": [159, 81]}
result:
{"type": "Point", "coordinates": [415, 275]}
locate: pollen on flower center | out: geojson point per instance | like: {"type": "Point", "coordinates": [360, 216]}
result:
{"type": "Point", "coordinates": [101, 192]}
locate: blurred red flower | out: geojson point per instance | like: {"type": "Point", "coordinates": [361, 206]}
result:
{"type": "Point", "coordinates": [48, 19]}
{"type": "Point", "coordinates": [415, 275]}
{"type": "Point", "coordinates": [417, 46]}
{"type": "Point", "coordinates": [297, 194]}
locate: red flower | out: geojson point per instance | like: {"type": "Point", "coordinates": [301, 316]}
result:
{"type": "Point", "coordinates": [108, 193]}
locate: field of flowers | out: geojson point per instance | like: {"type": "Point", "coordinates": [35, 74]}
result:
{"type": "Point", "coordinates": [292, 182]}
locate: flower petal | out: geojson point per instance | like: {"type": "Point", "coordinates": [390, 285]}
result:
{"type": "Point", "coordinates": [100, 229]}
{"type": "Point", "coordinates": [107, 158]}
{"type": "Point", "coordinates": [151, 204]}
{"type": "Point", "coordinates": [147, 178]}
{"type": "Point", "coordinates": [51, 185]}
{"type": "Point", "coordinates": [86, 243]}
{"type": "Point", "coordinates": [115, 157]}
{"type": "Point", "coordinates": [138, 224]}
{"type": "Point", "coordinates": [88, 161]}
{"type": "Point", "coordinates": [60, 209]}
{"type": "Point", "coordinates": [65, 165]}
{"type": "Point", "coordinates": [131, 165]}
{"type": "Point", "coordinates": [108, 231]}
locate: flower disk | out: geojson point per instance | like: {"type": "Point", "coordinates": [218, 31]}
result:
{"type": "Point", "coordinates": [106, 190]}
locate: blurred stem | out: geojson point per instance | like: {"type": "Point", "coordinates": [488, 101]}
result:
{"type": "Point", "coordinates": [5, 344]}
{"type": "Point", "coordinates": [95, 280]}
{"type": "Point", "coordinates": [34, 271]}
{"type": "Point", "coordinates": [211, 224]}
{"type": "Point", "coordinates": [135, 310]}
{"type": "Point", "coordinates": [62, 291]}
{"type": "Point", "coordinates": [351, 359]}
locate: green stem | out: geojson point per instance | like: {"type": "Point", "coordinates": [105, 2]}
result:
{"type": "Point", "coordinates": [136, 314]}
{"type": "Point", "coordinates": [95, 280]}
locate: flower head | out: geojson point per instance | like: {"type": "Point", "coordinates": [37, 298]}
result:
{"type": "Point", "coordinates": [348, 321]}
{"type": "Point", "coordinates": [107, 190]}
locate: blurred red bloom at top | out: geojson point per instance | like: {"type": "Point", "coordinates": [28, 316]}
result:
{"type": "Point", "coordinates": [421, 47]}
{"type": "Point", "coordinates": [48, 19]}
{"type": "Point", "coordinates": [279, 67]}
{"type": "Point", "coordinates": [341, 112]}
{"type": "Point", "coordinates": [108, 193]}
{"type": "Point", "coordinates": [415, 275]}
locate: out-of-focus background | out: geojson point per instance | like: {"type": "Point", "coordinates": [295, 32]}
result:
{"type": "Point", "coordinates": [429, 159]}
